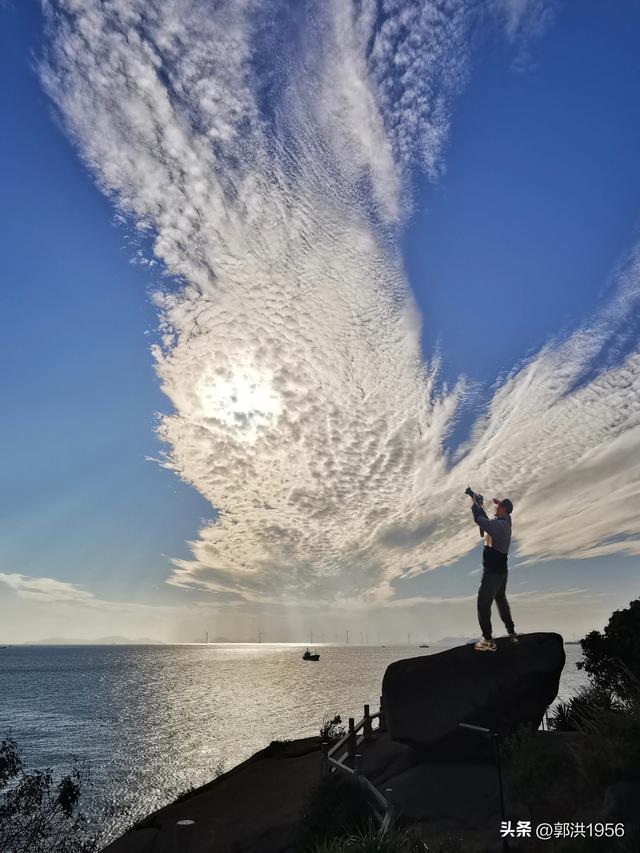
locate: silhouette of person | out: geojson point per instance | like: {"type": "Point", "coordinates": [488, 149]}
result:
{"type": "Point", "coordinates": [493, 586]}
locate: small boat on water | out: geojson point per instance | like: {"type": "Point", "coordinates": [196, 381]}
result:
{"type": "Point", "coordinates": [423, 646]}
{"type": "Point", "coordinates": [308, 656]}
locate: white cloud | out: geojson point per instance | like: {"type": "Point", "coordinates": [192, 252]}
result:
{"type": "Point", "coordinates": [46, 589]}
{"type": "Point", "coordinates": [523, 19]}
{"type": "Point", "coordinates": [290, 351]}
{"type": "Point", "coordinates": [52, 591]}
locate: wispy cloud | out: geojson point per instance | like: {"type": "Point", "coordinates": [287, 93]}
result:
{"type": "Point", "coordinates": [289, 339]}
{"type": "Point", "coordinates": [51, 591]}
{"type": "Point", "coordinates": [523, 19]}
{"type": "Point", "coordinates": [559, 597]}
{"type": "Point", "coordinates": [46, 589]}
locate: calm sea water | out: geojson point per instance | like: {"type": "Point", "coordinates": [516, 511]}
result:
{"type": "Point", "coordinates": [151, 721]}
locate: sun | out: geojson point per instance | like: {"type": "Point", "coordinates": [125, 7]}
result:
{"type": "Point", "coordinates": [244, 400]}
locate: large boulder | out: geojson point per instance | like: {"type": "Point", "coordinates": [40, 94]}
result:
{"type": "Point", "coordinates": [425, 698]}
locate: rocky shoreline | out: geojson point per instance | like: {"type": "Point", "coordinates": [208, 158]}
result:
{"type": "Point", "coordinates": [253, 808]}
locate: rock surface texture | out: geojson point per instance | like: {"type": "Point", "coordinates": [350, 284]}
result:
{"type": "Point", "coordinates": [425, 698]}
{"type": "Point", "coordinates": [254, 808]}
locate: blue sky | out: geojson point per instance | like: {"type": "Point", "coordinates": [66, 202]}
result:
{"type": "Point", "coordinates": [541, 198]}
{"type": "Point", "coordinates": [80, 502]}
{"type": "Point", "coordinates": [518, 241]}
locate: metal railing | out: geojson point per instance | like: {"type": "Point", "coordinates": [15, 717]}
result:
{"type": "Point", "coordinates": [344, 757]}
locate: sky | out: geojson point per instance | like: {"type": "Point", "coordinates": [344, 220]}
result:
{"type": "Point", "coordinates": [281, 280]}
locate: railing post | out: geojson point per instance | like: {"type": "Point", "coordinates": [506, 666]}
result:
{"type": "Point", "coordinates": [358, 764]}
{"type": "Point", "coordinates": [183, 838]}
{"type": "Point", "coordinates": [368, 730]}
{"type": "Point", "coordinates": [352, 737]}
{"type": "Point", "coordinates": [324, 760]}
{"type": "Point", "coordinates": [391, 809]}
{"type": "Point", "coordinates": [382, 722]}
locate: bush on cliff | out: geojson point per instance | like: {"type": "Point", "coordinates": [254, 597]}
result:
{"type": "Point", "coordinates": [539, 771]}
{"type": "Point", "coordinates": [564, 772]}
{"type": "Point", "coordinates": [612, 658]}
{"type": "Point", "coordinates": [337, 808]}
{"type": "Point", "coordinates": [38, 814]}
{"type": "Point", "coordinates": [332, 729]}
{"type": "Point", "coordinates": [610, 749]}
{"type": "Point", "coordinates": [589, 703]}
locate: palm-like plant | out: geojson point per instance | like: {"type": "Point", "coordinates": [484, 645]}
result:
{"type": "Point", "coordinates": [585, 709]}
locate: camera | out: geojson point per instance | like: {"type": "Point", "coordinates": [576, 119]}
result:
{"type": "Point", "coordinates": [479, 500]}
{"type": "Point", "coordinates": [469, 491]}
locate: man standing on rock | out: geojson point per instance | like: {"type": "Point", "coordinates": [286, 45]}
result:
{"type": "Point", "coordinates": [493, 585]}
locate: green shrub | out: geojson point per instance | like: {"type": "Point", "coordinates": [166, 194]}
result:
{"type": "Point", "coordinates": [538, 771]}
{"type": "Point", "coordinates": [278, 746]}
{"type": "Point", "coordinates": [338, 807]}
{"type": "Point", "coordinates": [370, 840]}
{"type": "Point", "coordinates": [38, 814]}
{"type": "Point", "coordinates": [612, 658]}
{"type": "Point", "coordinates": [610, 750]}
{"type": "Point", "coordinates": [332, 729]}
{"type": "Point", "coordinates": [588, 704]}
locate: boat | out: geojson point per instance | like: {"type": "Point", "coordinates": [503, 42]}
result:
{"type": "Point", "coordinates": [308, 656]}
{"type": "Point", "coordinates": [423, 646]}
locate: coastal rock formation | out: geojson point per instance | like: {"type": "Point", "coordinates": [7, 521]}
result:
{"type": "Point", "coordinates": [253, 808]}
{"type": "Point", "coordinates": [426, 697]}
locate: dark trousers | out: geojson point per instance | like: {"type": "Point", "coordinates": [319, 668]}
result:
{"type": "Point", "coordinates": [493, 587]}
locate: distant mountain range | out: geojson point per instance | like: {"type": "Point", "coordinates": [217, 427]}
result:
{"type": "Point", "coordinates": [100, 641]}
{"type": "Point", "coordinates": [454, 641]}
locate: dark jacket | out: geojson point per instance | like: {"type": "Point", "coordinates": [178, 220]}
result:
{"type": "Point", "coordinates": [494, 556]}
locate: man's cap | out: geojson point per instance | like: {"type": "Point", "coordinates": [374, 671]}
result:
{"type": "Point", "coordinates": [506, 503]}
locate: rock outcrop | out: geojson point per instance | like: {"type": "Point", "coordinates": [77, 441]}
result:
{"type": "Point", "coordinates": [425, 698]}
{"type": "Point", "coordinates": [254, 808]}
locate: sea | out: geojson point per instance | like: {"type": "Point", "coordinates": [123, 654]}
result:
{"type": "Point", "coordinates": [150, 722]}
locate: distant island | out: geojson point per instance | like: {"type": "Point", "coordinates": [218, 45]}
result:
{"type": "Point", "coordinates": [457, 641]}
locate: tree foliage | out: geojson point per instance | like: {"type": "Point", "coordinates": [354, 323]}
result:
{"type": "Point", "coordinates": [332, 729]}
{"type": "Point", "coordinates": [612, 658]}
{"type": "Point", "coordinates": [38, 813]}
{"type": "Point", "coordinates": [589, 703]}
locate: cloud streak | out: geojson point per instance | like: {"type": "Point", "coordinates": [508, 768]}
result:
{"type": "Point", "coordinates": [530, 597]}
{"type": "Point", "coordinates": [46, 589]}
{"type": "Point", "coordinates": [274, 183]}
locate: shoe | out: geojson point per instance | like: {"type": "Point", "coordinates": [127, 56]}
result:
{"type": "Point", "coordinates": [485, 646]}
{"type": "Point", "coordinates": [513, 639]}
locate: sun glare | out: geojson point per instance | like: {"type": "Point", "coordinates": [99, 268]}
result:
{"type": "Point", "coordinates": [246, 400]}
